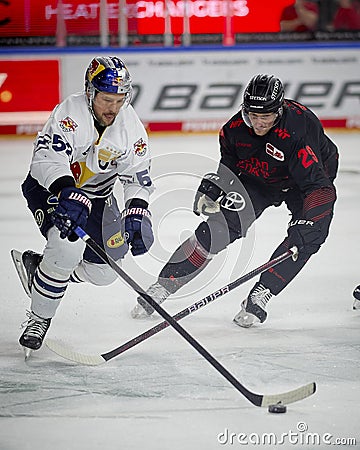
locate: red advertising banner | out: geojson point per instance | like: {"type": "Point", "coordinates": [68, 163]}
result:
{"type": "Point", "coordinates": [29, 85]}
{"type": "Point", "coordinates": [82, 17]}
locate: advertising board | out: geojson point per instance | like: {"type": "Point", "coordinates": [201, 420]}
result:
{"type": "Point", "coordinates": [197, 91]}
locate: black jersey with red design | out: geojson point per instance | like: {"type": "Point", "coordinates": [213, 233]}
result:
{"type": "Point", "coordinates": [295, 152]}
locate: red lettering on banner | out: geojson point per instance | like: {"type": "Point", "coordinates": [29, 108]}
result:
{"type": "Point", "coordinates": [144, 17]}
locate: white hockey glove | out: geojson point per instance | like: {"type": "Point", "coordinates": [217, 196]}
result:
{"type": "Point", "coordinates": [208, 196]}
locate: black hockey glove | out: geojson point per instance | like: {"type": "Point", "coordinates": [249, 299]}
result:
{"type": "Point", "coordinates": [138, 229]}
{"type": "Point", "coordinates": [208, 196]}
{"type": "Point", "coordinates": [72, 211]}
{"type": "Point", "coordinates": [306, 235]}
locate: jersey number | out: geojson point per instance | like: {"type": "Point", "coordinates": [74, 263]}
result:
{"type": "Point", "coordinates": [307, 156]}
{"type": "Point", "coordinates": [144, 178]}
{"type": "Point", "coordinates": [58, 144]}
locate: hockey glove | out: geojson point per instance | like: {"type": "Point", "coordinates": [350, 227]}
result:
{"type": "Point", "coordinates": [208, 196]}
{"type": "Point", "coordinates": [306, 235]}
{"type": "Point", "coordinates": [72, 211]}
{"type": "Point", "coordinates": [138, 230]}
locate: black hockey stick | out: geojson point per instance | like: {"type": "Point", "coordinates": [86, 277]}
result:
{"type": "Point", "coordinates": [95, 360]}
{"type": "Point", "coordinates": [255, 399]}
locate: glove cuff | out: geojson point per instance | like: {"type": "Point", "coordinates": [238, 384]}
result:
{"type": "Point", "coordinates": [72, 193]}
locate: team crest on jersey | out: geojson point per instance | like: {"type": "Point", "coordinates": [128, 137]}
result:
{"type": "Point", "coordinates": [274, 152]}
{"type": "Point", "coordinates": [108, 154]}
{"type": "Point", "coordinates": [140, 147]}
{"type": "Point", "coordinates": [68, 124]}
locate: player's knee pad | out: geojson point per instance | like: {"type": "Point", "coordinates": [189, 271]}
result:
{"type": "Point", "coordinates": [214, 235]}
{"type": "Point", "coordinates": [60, 255]}
{"type": "Point", "coordinates": [98, 274]}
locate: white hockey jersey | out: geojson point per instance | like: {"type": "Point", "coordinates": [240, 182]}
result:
{"type": "Point", "coordinates": [69, 145]}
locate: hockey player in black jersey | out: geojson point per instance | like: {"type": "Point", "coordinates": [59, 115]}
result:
{"type": "Point", "coordinates": [273, 150]}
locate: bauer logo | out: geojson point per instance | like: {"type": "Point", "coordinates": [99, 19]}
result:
{"type": "Point", "coordinates": [274, 152]}
{"type": "Point", "coordinates": [115, 241]}
{"type": "Point", "coordinates": [68, 124]}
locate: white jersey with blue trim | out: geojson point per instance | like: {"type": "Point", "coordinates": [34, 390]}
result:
{"type": "Point", "coordinates": [69, 145]}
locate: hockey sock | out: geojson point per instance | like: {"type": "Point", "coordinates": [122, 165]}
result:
{"type": "Point", "coordinates": [277, 278]}
{"type": "Point", "coordinates": [186, 263]}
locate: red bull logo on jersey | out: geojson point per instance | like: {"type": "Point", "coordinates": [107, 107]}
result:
{"type": "Point", "coordinates": [76, 171]}
{"type": "Point", "coordinates": [68, 124]}
{"type": "Point", "coordinates": [140, 147]}
{"type": "Point", "coordinates": [274, 152]}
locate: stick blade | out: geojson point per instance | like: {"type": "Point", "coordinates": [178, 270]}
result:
{"type": "Point", "coordinates": [290, 396]}
{"type": "Point", "coordinates": [67, 352]}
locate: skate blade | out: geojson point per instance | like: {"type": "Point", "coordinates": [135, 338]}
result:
{"type": "Point", "coordinates": [245, 320]}
{"type": "Point", "coordinates": [27, 353]}
{"type": "Point", "coordinates": [139, 313]}
{"type": "Point", "coordinates": [20, 269]}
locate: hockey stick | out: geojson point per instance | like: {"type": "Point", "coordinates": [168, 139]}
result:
{"type": "Point", "coordinates": [94, 360]}
{"type": "Point", "coordinates": [255, 399]}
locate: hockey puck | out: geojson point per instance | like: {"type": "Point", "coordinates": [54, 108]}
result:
{"type": "Point", "coordinates": [279, 408]}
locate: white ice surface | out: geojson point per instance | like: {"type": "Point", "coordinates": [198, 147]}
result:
{"type": "Point", "coordinates": [162, 394]}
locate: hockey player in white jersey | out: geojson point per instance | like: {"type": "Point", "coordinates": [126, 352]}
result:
{"type": "Point", "coordinates": [91, 140]}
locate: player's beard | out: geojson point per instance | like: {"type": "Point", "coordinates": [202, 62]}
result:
{"type": "Point", "coordinates": [107, 119]}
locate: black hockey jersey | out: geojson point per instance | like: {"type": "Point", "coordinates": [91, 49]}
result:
{"type": "Point", "coordinates": [294, 153]}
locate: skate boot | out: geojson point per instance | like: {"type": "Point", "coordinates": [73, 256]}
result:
{"type": "Point", "coordinates": [142, 309]}
{"type": "Point", "coordinates": [356, 294]}
{"type": "Point", "coordinates": [253, 307]}
{"type": "Point", "coordinates": [35, 331]}
{"type": "Point", "coordinates": [26, 264]}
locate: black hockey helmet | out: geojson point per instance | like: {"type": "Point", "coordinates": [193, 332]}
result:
{"type": "Point", "coordinates": [263, 94]}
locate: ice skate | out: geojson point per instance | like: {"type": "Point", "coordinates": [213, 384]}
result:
{"type": "Point", "coordinates": [356, 294]}
{"type": "Point", "coordinates": [253, 307]}
{"type": "Point", "coordinates": [34, 333]}
{"type": "Point", "coordinates": [26, 264]}
{"type": "Point", "coordinates": [142, 309]}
